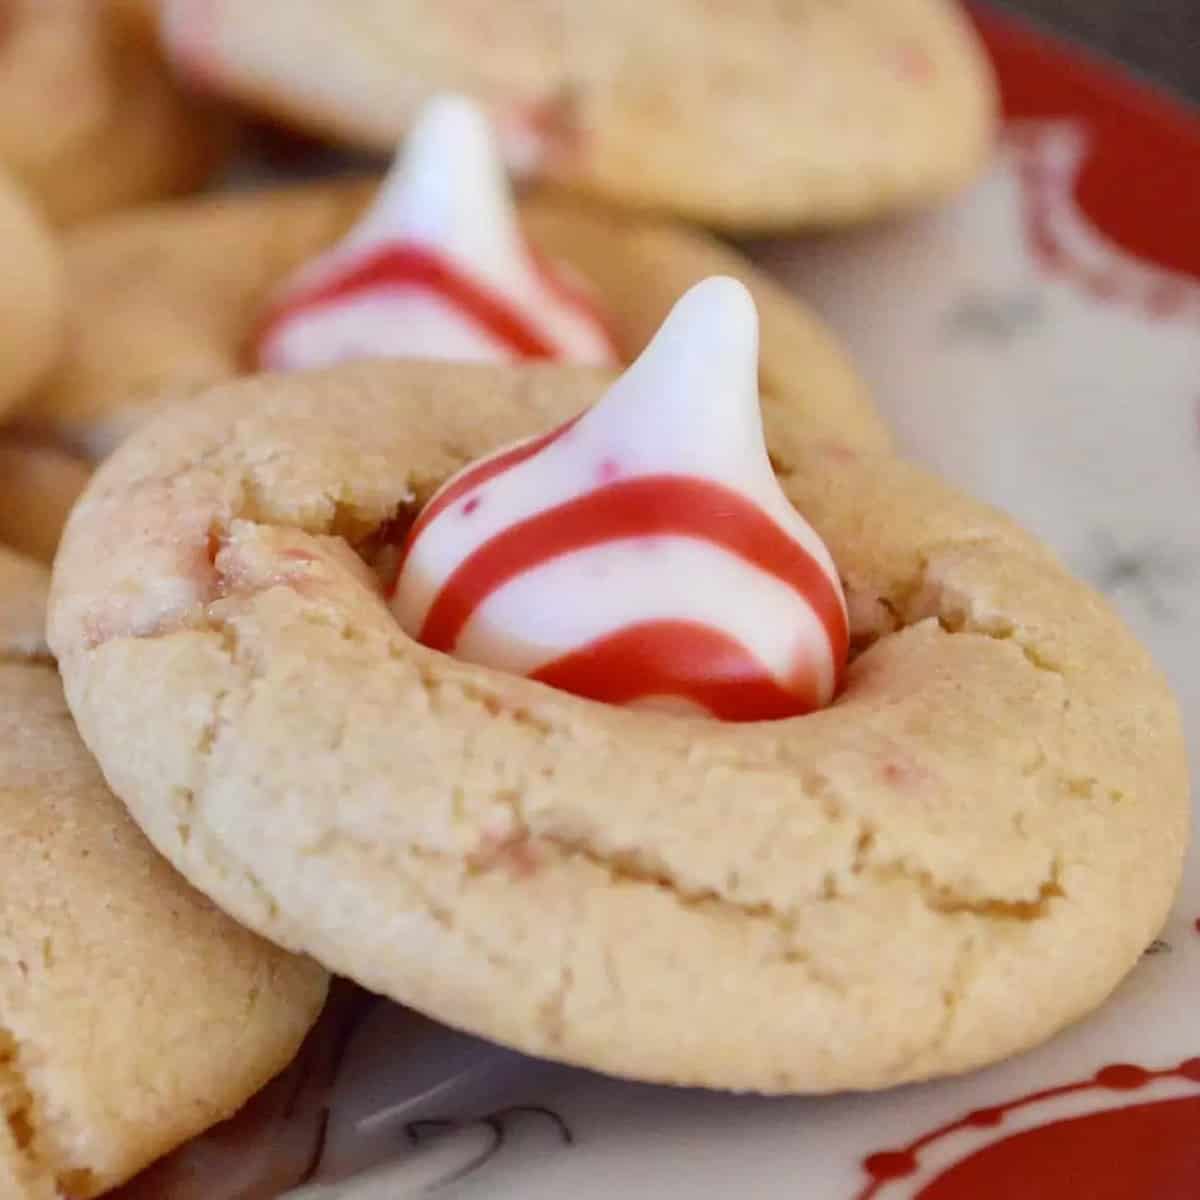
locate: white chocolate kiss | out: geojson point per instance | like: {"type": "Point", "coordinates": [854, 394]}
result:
{"type": "Point", "coordinates": [686, 410]}
{"type": "Point", "coordinates": [446, 194]}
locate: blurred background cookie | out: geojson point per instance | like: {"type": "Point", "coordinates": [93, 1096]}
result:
{"type": "Point", "coordinates": [31, 296]}
{"type": "Point", "coordinates": [133, 1014]}
{"type": "Point", "coordinates": [24, 585]}
{"type": "Point", "coordinates": [38, 486]}
{"type": "Point", "coordinates": [91, 117]}
{"type": "Point", "coordinates": [165, 302]}
{"type": "Point", "coordinates": [747, 116]}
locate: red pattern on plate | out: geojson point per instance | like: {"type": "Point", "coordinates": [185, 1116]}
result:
{"type": "Point", "coordinates": [1138, 1150]}
{"type": "Point", "coordinates": [1141, 185]}
{"type": "Point", "coordinates": [1049, 158]}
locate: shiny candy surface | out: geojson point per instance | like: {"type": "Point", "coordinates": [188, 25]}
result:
{"type": "Point", "coordinates": [437, 268]}
{"type": "Point", "coordinates": [643, 553]}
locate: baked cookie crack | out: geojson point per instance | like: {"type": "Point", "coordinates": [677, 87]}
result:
{"type": "Point", "coordinates": [921, 596]}
{"type": "Point", "coordinates": [524, 848]}
{"type": "Point", "coordinates": [940, 898]}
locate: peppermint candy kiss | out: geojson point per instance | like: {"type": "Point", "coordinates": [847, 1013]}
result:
{"type": "Point", "coordinates": [643, 553]}
{"type": "Point", "coordinates": [438, 268]}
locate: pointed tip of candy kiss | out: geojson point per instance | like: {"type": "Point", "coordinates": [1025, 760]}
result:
{"type": "Point", "coordinates": [447, 181]}
{"type": "Point", "coordinates": [450, 124]}
{"type": "Point", "coordinates": [711, 338]}
{"type": "Point", "coordinates": [438, 267]}
{"type": "Point", "coordinates": [719, 306]}
{"type": "Point", "coordinates": [699, 374]}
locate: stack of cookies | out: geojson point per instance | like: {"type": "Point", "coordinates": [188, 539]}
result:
{"type": "Point", "coordinates": [480, 583]}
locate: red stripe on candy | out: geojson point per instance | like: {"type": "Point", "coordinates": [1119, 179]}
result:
{"type": "Point", "coordinates": [401, 266]}
{"type": "Point", "coordinates": [653, 506]}
{"type": "Point", "coordinates": [478, 475]}
{"type": "Point", "coordinates": [679, 658]}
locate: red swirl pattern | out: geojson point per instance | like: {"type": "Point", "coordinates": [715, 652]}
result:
{"type": "Point", "coordinates": [678, 658]}
{"type": "Point", "coordinates": [652, 506]}
{"type": "Point", "coordinates": [408, 266]}
{"type": "Point", "coordinates": [476, 476]}
{"type": "Point", "coordinates": [652, 658]}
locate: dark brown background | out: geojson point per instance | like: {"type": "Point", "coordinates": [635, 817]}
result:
{"type": "Point", "coordinates": [1158, 38]}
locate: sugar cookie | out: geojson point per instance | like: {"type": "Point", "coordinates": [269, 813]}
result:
{"type": "Point", "coordinates": [133, 1014]}
{"type": "Point", "coordinates": [764, 114]}
{"type": "Point", "coordinates": [91, 118]}
{"type": "Point", "coordinates": [964, 853]}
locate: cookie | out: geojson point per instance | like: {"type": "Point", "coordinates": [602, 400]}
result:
{"type": "Point", "coordinates": [93, 119]}
{"type": "Point", "coordinates": [167, 301]}
{"type": "Point", "coordinates": [38, 486]}
{"type": "Point", "coordinates": [133, 1014]}
{"type": "Point", "coordinates": [32, 297]}
{"type": "Point", "coordinates": [24, 585]}
{"type": "Point", "coordinates": [963, 854]}
{"type": "Point", "coordinates": [768, 114]}
{"type": "Point", "coordinates": [272, 1143]}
